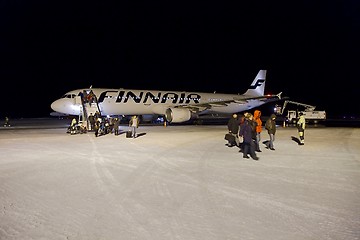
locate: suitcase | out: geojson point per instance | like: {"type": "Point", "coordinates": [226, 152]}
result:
{"type": "Point", "coordinates": [128, 134]}
{"type": "Point", "coordinates": [230, 138]}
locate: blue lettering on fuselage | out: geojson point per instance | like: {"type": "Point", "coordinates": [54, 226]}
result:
{"type": "Point", "coordinates": [103, 95]}
{"type": "Point", "coordinates": [145, 97]}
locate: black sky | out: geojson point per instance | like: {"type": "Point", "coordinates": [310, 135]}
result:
{"type": "Point", "coordinates": [310, 48]}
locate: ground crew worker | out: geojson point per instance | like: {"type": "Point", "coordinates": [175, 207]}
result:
{"type": "Point", "coordinates": [7, 122]}
{"type": "Point", "coordinates": [301, 128]}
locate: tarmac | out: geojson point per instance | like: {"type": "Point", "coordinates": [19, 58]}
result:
{"type": "Point", "coordinates": [177, 182]}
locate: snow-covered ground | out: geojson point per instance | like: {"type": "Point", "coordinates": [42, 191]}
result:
{"type": "Point", "coordinates": [178, 182]}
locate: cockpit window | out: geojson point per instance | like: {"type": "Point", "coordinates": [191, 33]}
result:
{"type": "Point", "coordinates": [69, 96]}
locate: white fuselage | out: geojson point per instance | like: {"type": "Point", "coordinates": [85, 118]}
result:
{"type": "Point", "coordinates": [138, 102]}
{"type": "Point", "coordinates": [174, 105]}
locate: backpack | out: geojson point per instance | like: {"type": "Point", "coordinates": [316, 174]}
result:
{"type": "Point", "coordinates": [268, 125]}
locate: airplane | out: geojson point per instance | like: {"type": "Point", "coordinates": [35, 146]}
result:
{"type": "Point", "coordinates": [174, 106]}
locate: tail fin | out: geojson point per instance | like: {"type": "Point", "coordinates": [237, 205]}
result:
{"type": "Point", "coordinates": [257, 87]}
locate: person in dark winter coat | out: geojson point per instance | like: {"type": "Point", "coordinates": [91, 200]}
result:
{"type": "Point", "coordinates": [92, 122]}
{"type": "Point", "coordinates": [97, 127]}
{"type": "Point", "coordinates": [270, 126]}
{"type": "Point", "coordinates": [116, 126]}
{"type": "Point", "coordinates": [247, 131]}
{"type": "Point", "coordinates": [233, 127]}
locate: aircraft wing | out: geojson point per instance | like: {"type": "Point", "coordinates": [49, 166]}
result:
{"type": "Point", "coordinates": [199, 107]}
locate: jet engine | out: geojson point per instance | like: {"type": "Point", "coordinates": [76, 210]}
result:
{"type": "Point", "coordinates": [177, 115]}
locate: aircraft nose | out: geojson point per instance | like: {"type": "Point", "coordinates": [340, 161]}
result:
{"type": "Point", "coordinates": [65, 106]}
{"type": "Point", "coordinates": [55, 106]}
{"type": "Point", "coordinates": [61, 106]}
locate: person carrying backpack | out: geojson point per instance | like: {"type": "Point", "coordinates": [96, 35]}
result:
{"type": "Point", "coordinates": [270, 126]}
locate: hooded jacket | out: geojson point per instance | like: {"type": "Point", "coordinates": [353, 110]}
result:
{"type": "Point", "coordinates": [270, 124]}
{"type": "Point", "coordinates": [257, 115]}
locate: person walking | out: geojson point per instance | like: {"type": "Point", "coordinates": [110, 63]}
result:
{"type": "Point", "coordinates": [233, 127]}
{"type": "Point", "coordinates": [241, 139]}
{"type": "Point", "coordinates": [301, 128]}
{"type": "Point", "coordinates": [92, 122]}
{"type": "Point", "coordinates": [270, 126]}
{"type": "Point", "coordinates": [258, 129]}
{"type": "Point", "coordinates": [97, 126]}
{"type": "Point", "coordinates": [247, 132]}
{"type": "Point", "coordinates": [97, 115]}
{"type": "Point", "coordinates": [116, 125]}
{"type": "Point", "coordinates": [134, 124]}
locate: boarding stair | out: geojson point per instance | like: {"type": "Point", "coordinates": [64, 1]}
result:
{"type": "Point", "coordinates": [89, 105]}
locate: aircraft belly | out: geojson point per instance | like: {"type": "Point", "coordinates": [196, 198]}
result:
{"type": "Point", "coordinates": [234, 107]}
{"type": "Point", "coordinates": [158, 109]}
{"type": "Point", "coordinates": [231, 108]}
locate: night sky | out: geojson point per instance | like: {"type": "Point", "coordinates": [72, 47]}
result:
{"type": "Point", "coordinates": [311, 49]}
